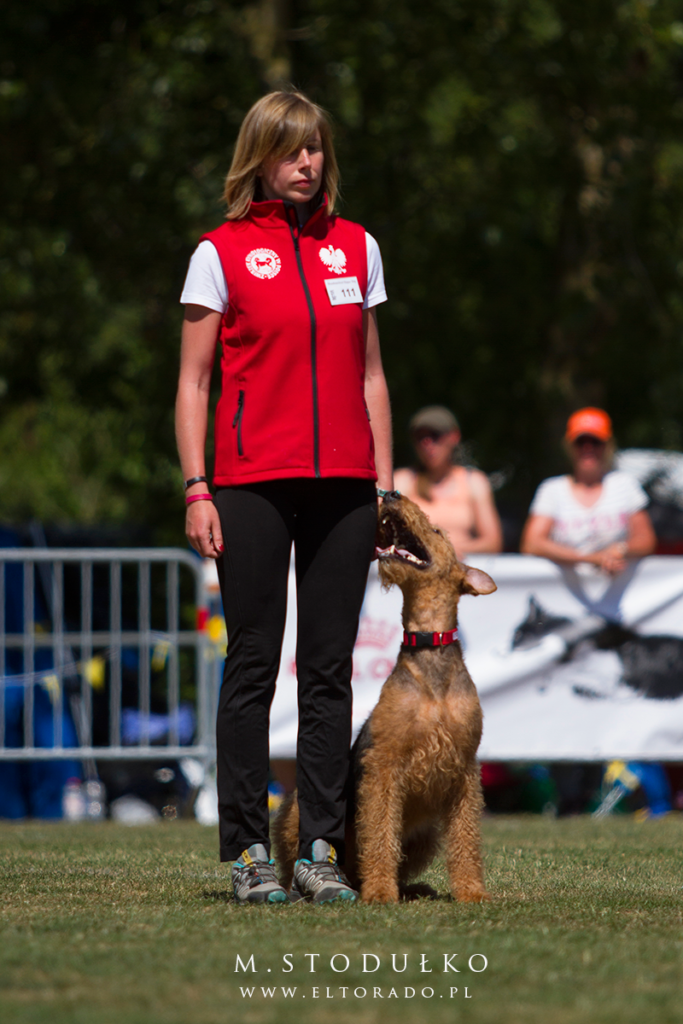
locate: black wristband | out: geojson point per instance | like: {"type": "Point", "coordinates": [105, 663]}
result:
{"type": "Point", "coordinates": [195, 480]}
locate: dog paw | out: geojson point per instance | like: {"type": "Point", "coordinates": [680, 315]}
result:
{"type": "Point", "coordinates": [473, 896]}
{"type": "Point", "coordinates": [379, 895]}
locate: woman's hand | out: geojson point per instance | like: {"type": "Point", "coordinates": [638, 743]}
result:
{"type": "Point", "coordinates": [203, 529]}
{"type": "Point", "coordinates": [641, 542]}
{"type": "Point", "coordinates": [612, 559]}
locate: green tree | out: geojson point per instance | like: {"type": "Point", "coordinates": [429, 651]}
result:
{"type": "Point", "coordinates": [116, 126]}
{"type": "Point", "coordinates": [520, 162]}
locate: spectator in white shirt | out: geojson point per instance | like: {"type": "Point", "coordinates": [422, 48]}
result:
{"type": "Point", "coordinates": [594, 515]}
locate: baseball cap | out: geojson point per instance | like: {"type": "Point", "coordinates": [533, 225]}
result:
{"type": "Point", "coordinates": [594, 422]}
{"type": "Point", "coordinates": [433, 417]}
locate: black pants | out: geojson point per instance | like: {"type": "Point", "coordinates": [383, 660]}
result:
{"type": "Point", "coordinates": [332, 524]}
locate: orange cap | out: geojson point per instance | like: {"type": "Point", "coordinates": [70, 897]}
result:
{"type": "Point", "coordinates": [594, 422]}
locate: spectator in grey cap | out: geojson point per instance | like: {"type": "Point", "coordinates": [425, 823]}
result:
{"type": "Point", "coordinates": [457, 498]}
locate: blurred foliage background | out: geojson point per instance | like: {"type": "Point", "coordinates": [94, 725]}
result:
{"type": "Point", "coordinates": [519, 161]}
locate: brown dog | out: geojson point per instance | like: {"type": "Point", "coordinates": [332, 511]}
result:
{"type": "Point", "coordinates": [414, 782]}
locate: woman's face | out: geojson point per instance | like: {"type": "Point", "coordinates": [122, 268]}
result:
{"type": "Point", "coordinates": [588, 454]}
{"type": "Point", "coordinates": [434, 450]}
{"type": "Point", "coordinates": [296, 177]}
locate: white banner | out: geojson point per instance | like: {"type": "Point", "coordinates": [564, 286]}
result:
{"type": "Point", "coordinates": [555, 679]}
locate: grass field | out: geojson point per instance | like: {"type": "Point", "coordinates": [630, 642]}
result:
{"type": "Point", "coordinates": [103, 924]}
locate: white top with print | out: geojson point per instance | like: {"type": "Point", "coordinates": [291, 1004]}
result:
{"type": "Point", "coordinates": [589, 529]}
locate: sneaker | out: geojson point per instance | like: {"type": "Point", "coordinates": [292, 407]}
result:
{"type": "Point", "coordinates": [254, 879]}
{"type": "Point", "coordinates": [321, 880]}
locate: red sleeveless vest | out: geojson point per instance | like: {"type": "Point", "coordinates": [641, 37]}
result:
{"type": "Point", "coordinates": [293, 365]}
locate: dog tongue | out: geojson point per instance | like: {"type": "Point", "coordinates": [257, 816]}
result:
{"type": "Point", "coordinates": [393, 550]}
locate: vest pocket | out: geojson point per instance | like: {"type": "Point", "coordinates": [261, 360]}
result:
{"type": "Point", "coordinates": [237, 422]}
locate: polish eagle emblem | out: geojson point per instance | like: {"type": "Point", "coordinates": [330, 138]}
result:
{"type": "Point", "coordinates": [334, 259]}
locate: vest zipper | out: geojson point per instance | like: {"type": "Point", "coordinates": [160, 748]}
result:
{"type": "Point", "coordinates": [237, 422]}
{"type": "Point", "coordinates": [314, 354]}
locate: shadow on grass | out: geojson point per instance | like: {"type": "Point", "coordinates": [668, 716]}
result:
{"type": "Point", "coordinates": [419, 891]}
{"type": "Point", "coordinates": [222, 896]}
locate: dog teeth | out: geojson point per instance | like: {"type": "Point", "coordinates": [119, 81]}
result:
{"type": "Point", "coordinates": [407, 556]}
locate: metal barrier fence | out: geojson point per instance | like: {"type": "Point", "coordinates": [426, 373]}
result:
{"type": "Point", "coordinates": [104, 654]}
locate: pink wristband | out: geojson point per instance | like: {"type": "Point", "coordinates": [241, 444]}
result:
{"type": "Point", "coordinates": [198, 497]}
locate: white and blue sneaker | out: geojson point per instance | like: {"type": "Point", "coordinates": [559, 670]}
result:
{"type": "Point", "coordinates": [254, 879]}
{"type": "Point", "coordinates": [321, 880]}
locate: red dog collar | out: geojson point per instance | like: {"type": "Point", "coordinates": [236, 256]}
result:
{"type": "Point", "coordinates": [411, 641]}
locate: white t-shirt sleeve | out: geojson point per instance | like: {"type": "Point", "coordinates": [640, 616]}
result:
{"type": "Point", "coordinates": [628, 492]}
{"type": "Point", "coordinates": [545, 501]}
{"type": "Point", "coordinates": [376, 292]}
{"type": "Point", "coordinates": [205, 284]}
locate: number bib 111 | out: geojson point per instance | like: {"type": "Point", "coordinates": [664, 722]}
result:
{"type": "Point", "coordinates": [343, 290]}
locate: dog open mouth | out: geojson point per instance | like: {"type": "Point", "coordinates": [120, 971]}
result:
{"type": "Point", "coordinates": [396, 542]}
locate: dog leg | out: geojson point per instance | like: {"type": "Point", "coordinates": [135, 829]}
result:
{"type": "Point", "coordinates": [378, 822]}
{"type": "Point", "coordinates": [285, 835]}
{"type": "Point", "coordinates": [463, 842]}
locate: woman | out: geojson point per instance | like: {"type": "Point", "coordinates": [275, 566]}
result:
{"type": "Point", "coordinates": [595, 515]}
{"type": "Point", "coordinates": [456, 498]}
{"type": "Point", "coordinates": [302, 433]}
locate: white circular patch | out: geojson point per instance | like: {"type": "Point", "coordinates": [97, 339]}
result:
{"type": "Point", "coordinates": [263, 263]}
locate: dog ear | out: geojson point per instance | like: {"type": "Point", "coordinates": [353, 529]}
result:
{"type": "Point", "coordinates": [475, 581]}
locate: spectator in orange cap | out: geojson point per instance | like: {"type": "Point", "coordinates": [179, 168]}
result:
{"type": "Point", "coordinates": [456, 498]}
{"type": "Point", "coordinates": [594, 515]}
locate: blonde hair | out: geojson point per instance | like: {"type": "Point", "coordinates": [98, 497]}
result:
{"type": "Point", "coordinates": [278, 124]}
